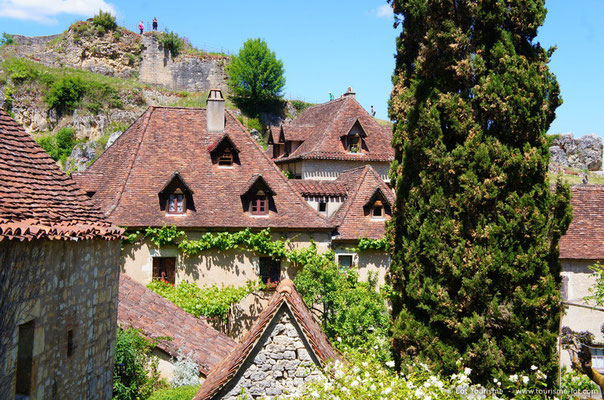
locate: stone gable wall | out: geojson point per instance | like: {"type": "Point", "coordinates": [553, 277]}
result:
{"type": "Point", "coordinates": [281, 362]}
{"type": "Point", "coordinates": [76, 289]}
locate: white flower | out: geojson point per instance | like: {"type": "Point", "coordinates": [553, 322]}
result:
{"type": "Point", "coordinates": [372, 387]}
{"type": "Point", "coordinates": [354, 383]}
{"type": "Point", "coordinates": [514, 378]}
{"type": "Point", "coordinates": [525, 379]}
{"type": "Point", "coordinates": [495, 380]}
{"type": "Point", "coordinates": [467, 371]}
{"type": "Point", "coordinates": [534, 367]}
{"type": "Point", "coordinates": [390, 364]}
{"type": "Point", "coordinates": [339, 339]}
{"type": "Point", "coordinates": [315, 394]}
{"type": "Point", "coordinates": [388, 390]}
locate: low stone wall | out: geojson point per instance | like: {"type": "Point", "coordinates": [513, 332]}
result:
{"type": "Point", "coordinates": [281, 362]}
{"type": "Point", "coordinates": [73, 286]}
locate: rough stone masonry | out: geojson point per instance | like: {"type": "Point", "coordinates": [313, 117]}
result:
{"type": "Point", "coordinates": [281, 362]}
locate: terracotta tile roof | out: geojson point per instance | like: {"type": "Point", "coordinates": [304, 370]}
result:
{"type": "Point", "coordinates": [286, 293]}
{"type": "Point", "coordinates": [37, 200]}
{"type": "Point", "coordinates": [141, 308]}
{"type": "Point", "coordinates": [319, 188]}
{"type": "Point", "coordinates": [585, 236]}
{"type": "Point", "coordinates": [131, 173]}
{"type": "Point", "coordinates": [352, 218]}
{"type": "Point", "coordinates": [321, 127]}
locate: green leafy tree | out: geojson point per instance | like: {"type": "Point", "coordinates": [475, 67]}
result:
{"type": "Point", "coordinates": [256, 76]}
{"type": "Point", "coordinates": [65, 94]}
{"type": "Point", "coordinates": [171, 42]}
{"type": "Point", "coordinates": [476, 227]}
{"type": "Point", "coordinates": [104, 21]}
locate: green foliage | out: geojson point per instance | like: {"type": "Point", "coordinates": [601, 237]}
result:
{"type": "Point", "coordinates": [300, 105]}
{"type": "Point", "coordinates": [372, 244]}
{"type": "Point", "coordinates": [476, 228]}
{"type": "Point", "coordinates": [66, 88]}
{"type": "Point", "coordinates": [574, 384]}
{"type": "Point", "coordinates": [8, 97]}
{"type": "Point", "coordinates": [172, 42]}
{"type": "Point", "coordinates": [7, 39]}
{"type": "Point", "coordinates": [141, 376]}
{"type": "Point", "coordinates": [256, 77]}
{"type": "Point", "coordinates": [164, 236]}
{"type": "Point", "coordinates": [58, 146]}
{"type": "Point", "coordinates": [104, 21]}
{"type": "Point", "coordinates": [597, 290]}
{"type": "Point", "coordinates": [210, 301]}
{"type": "Point", "coordinates": [353, 312]}
{"type": "Point", "coordinates": [65, 94]}
{"type": "Point", "coordinates": [179, 393]}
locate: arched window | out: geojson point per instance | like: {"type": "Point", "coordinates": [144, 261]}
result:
{"type": "Point", "coordinates": [259, 203]}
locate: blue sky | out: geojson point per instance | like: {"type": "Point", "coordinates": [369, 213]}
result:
{"type": "Point", "coordinates": [329, 45]}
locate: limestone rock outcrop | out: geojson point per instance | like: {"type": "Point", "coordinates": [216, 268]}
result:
{"type": "Point", "coordinates": [583, 153]}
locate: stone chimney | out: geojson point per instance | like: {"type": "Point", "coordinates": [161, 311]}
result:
{"type": "Point", "coordinates": [215, 111]}
{"type": "Point", "coordinates": [349, 92]}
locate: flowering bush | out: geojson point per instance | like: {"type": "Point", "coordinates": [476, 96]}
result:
{"type": "Point", "coordinates": [366, 378]}
{"type": "Point", "coordinates": [186, 372]}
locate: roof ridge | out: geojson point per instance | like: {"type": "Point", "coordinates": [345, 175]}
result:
{"type": "Point", "coordinates": [134, 156]}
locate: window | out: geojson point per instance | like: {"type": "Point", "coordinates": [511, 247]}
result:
{"type": "Point", "coordinates": [90, 194]}
{"type": "Point", "coordinates": [25, 358]}
{"type": "Point", "coordinates": [323, 206]}
{"type": "Point", "coordinates": [259, 204]}
{"type": "Point", "coordinates": [345, 261]}
{"type": "Point", "coordinates": [353, 144]}
{"type": "Point", "coordinates": [164, 268]}
{"type": "Point", "coordinates": [176, 204]}
{"type": "Point", "coordinates": [226, 158]}
{"type": "Point", "coordinates": [270, 270]}
{"type": "Point", "coordinates": [70, 344]}
{"type": "Point", "coordinates": [377, 211]}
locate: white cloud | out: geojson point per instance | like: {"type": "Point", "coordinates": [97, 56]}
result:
{"type": "Point", "coordinates": [384, 11]}
{"type": "Point", "coordinates": [45, 11]}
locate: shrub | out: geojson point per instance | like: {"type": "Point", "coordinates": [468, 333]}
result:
{"type": "Point", "coordinates": [172, 42]}
{"type": "Point", "coordinates": [140, 377]}
{"type": "Point", "coordinates": [104, 21]}
{"type": "Point", "coordinates": [179, 393]}
{"type": "Point", "coordinates": [58, 146]}
{"type": "Point", "coordinates": [65, 94]}
{"type": "Point", "coordinates": [300, 105]}
{"type": "Point", "coordinates": [210, 301]}
{"type": "Point", "coordinates": [6, 39]}
{"type": "Point", "coordinates": [186, 372]}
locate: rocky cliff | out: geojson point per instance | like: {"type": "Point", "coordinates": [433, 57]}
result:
{"type": "Point", "coordinates": [583, 153]}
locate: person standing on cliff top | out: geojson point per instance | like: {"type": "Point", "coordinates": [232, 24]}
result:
{"type": "Point", "coordinates": [141, 26]}
{"type": "Point", "coordinates": [155, 23]}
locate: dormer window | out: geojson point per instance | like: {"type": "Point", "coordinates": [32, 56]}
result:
{"type": "Point", "coordinates": [226, 158]}
{"type": "Point", "coordinates": [354, 141]}
{"type": "Point", "coordinates": [257, 198]}
{"type": "Point", "coordinates": [176, 197]}
{"type": "Point", "coordinates": [353, 144]}
{"type": "Point", "coordinates": [377, 211]}
{"type": "Point", "coordinates": [176, 204]}
{"type": "Point", "coordinates": [259, 204]}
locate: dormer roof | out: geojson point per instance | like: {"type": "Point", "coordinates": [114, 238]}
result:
{"type": "Point", "coordinates": [321, 128]}
{"type": "Point", "coordinates": [176, 180]}
{"type": "Point", "coordinates": [222, 142]}
{"type": "Point", "coordinates": [130, 174]}
{"type": "Point", "coordinates": [257, 182]}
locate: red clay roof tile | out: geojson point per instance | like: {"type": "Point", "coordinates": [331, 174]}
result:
{"type": "Point", "coordinates": [37, 200]}
{"type": "Point", "coordinates": [585, 236]}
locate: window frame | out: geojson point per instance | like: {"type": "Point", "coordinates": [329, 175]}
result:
{"type": "Point", "coordinates": [259, 204]}
{"type": "Point", "coordinates": [162, 264]}
{"type": "Point", "coordinates": [226, 159]}
{"type": "Point", "coordinates": [174, 198]}
{"type": "Point", "coordinates": [347, 255]}
{"type": "Point", "coordinates": [272, 269]}
{"type": "Point", "coordinates": [358, 144]}
{"type": "Point", "coordinates": [322, 203]}
{"type": "Point", "coordinates": [378, 205]}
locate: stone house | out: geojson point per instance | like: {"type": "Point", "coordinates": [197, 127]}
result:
{"type": "Point", "coordinates": [581, 247]}
{"type": "Point", "coordinates": [201, 171]}
{"type": "Point", "coordinates": [58, 281]}
{"type": "Point", "coordinates": [330, 138]}
{"type": "Point", "coordinates": [141, 308]}
{"type": "Point", "coordinates": [284, 349]}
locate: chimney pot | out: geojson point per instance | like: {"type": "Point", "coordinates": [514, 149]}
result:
{"type": "Point", "coordinates": [349, 92]}
{"type": "Point", "coordinates": [215, 111]}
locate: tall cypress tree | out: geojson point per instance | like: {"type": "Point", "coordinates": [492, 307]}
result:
{"type": "Point", "coordinates": [476, 225]}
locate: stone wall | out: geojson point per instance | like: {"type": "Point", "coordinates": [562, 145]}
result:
{"type": "Point", "coordinates": [76, 284]}
{"type": "Point", "coordinates": [581, 153]}
{"type": "Point", "coordinates": [281, 362]}
{"type": "Point", "coordinates": [193, 74]}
